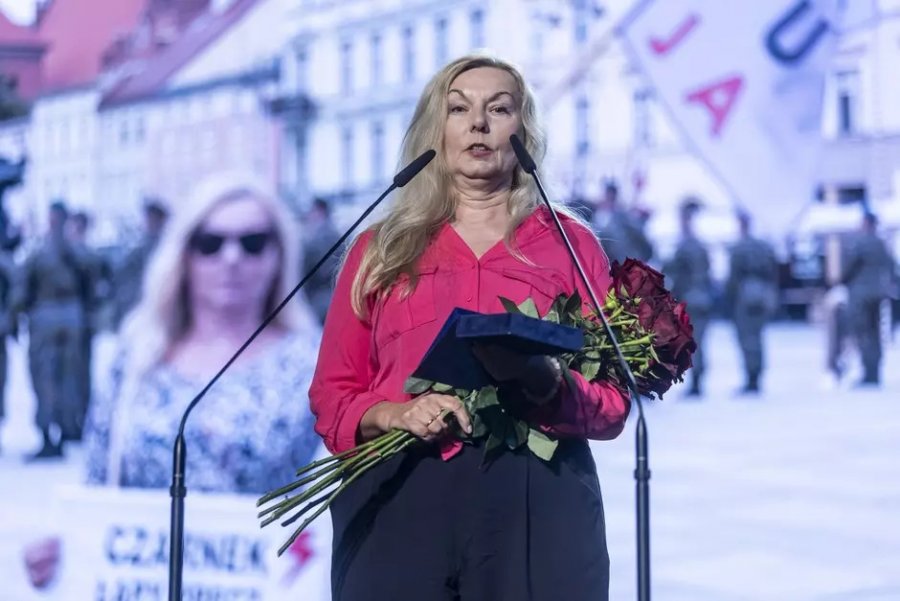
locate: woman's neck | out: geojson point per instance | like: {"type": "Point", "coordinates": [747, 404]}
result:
{"type": "Point", "coordinates": [215, 325]}
{"type": "Point", "coordinates": [483, 209]}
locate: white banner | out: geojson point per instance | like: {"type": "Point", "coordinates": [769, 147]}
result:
{"type": "Point", "coordinates": [114, 545]}
{"type": "Point", "coordinates": [743, 81]}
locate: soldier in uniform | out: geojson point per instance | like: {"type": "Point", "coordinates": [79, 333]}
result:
{"type": "Point", "coordinates": [867, 274]}
{"type": "Point", "coordinates": [129, 276]}
{"type": "Point", "coordinates": [621, 232]}
{"type": "Point", "coordinates": [51, 291]}
{"type": "Point", "coordinates": [752, 292]}
{"type": "Point", "coordinates": [690, 281]}
{"type": "Point", "coordinates": [99, 282]}
{"type": "Point", "coordinates": [7, 321]}
{"type": "Point", "coordinates": [10, 176]}
{"type": "Point", "coordinates": [320, 235]}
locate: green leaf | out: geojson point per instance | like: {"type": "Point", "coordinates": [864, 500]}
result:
{"type": "Point", "coordinates": [479, 428]}
{"type": "Point", "coordinates": [541, 445]}
{"type": "Point", "coordinates": [552, 315]}
{"type": "Point", "coordinates": [573, 305]}
{"type": "Point", "coordinates": [493, 442]}
{"type": "Point", "coordinates": [509, 305]}
{"type": "Point", "coordinates": [415, 385]}
{"type": "Point", "coordinates": [527, 307]}
{"type": "Point", "coordinates": [590, 369]}
{"type": "Point", "coordinates": [521, 432]}
{"type": "Point", "coordinates": [510, 436]}
{"type": "Point", "coordinates": [486, 397]}
{"type": "Point", "coordinates": [442, 388]}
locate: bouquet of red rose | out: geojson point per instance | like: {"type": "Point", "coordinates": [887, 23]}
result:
{"type": "Point", "coordinates": [653, 331]}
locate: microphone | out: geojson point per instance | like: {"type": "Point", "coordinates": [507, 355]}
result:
{"type": "Point", "coordinates": [410, 171]}
{"type": "Point", "coordinates": [642, 471]}
{"type": "Point", "coordinates": [178, 490]}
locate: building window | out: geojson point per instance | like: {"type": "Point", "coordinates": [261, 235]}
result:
{"type": "Point", "coordinates": [580, 17]}
{"type": "Point", "coordinates": [847, 102]}
{"type": "Point", "coordinates": [347, 157]}
{"type": "Point", "coordinates": [123, 132]}
{"type": "Point", "coordinates": [476, 26]}
{"type": "Point", "coordinates": [440, 41]}
{"type": "Point", "coordinates": [346, 66]}
{"type": "Point", "coordinates": [643, 119]}
{"type": "Point", "coordinates": [139, 130]}
{"type": "Point", "coordinates": [582, 126]}
{"type": "Point", "coordinates": [377, 152]}
{"type": "Point", "coordinates": [409, 54]}
{"type": "Point", "coordinates": [302, 68]}
{"type": "Point", "coordinates": [375, 49]}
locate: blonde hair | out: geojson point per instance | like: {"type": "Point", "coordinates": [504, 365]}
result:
{"type": "Point", "coordinates": [423, 205]}
{"type": "Point", "coordinates": [163, 314]}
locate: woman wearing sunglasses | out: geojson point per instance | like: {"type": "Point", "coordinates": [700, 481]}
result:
{"type": "Point", "coordinates": [224, 263]}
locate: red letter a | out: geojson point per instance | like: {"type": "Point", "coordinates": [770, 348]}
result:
{"type": "Point", "coordinates": [718, 98]}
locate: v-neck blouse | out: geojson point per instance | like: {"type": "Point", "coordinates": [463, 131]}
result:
{"type": "Point", "coordinates": [366, 361]}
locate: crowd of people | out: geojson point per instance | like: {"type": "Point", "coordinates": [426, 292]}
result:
{"type": "Point", "coordinates": [749, 296]}
{"type": "Point", "coordinates": [163, 293]}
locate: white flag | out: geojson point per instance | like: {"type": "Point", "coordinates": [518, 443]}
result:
{"type": "Point", "coordinates": [743, 82]}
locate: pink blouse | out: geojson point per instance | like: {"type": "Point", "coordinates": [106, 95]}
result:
{"type": "Point", "coordinates": [364, 362]}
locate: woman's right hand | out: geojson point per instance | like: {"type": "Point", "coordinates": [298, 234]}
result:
{"type": "Point", "coordinates": [421, 416]}
{"type": "Point", "coordinates": [42, 561]}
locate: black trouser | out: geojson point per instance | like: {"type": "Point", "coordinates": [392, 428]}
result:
{"type": "Point", "coordinates": [421, 529]}
{"type": "Point", "coordinates": [867, 325]}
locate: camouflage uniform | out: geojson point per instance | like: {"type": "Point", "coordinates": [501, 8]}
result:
{"type": "Point", "coordinates": [752, 291]}
{"type": "Point", "coordinates": [52, 290]}
{"type": "Point", "coordinates": [98, 288]}
{"type": "Point", "coordinates": [622, 236]}
{"type": "Point", "coordinates": [319, 288]}
{"type": "Point", "coordinates": [867, 275]}
{"type": "Point", "coordinates": [7, 320]}
{"type": "Point", "coordinates": [690, 281]}
{"type": "Point", "coordinates": [129, 278]}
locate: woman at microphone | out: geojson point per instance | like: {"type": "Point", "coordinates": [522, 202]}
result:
{"type": "Point", "coordinates": [433, 523]}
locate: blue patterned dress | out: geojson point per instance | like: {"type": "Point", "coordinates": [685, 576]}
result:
{"type": "Point", "coordinates": [248, 435]}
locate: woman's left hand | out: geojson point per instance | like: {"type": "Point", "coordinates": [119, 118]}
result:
{"type": "Point", "coordinates": [501, 363]}
{"type": "Point", "coordinates": [538, 375]}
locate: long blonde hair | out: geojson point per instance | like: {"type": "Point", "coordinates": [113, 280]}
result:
{"type": "Point", "coordinates": [423, 205]}
{"type": "Point", "coordinates": [163, 315]}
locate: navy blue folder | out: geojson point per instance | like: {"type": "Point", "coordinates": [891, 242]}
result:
{"type": "Point", "coordinates": [450, 359]}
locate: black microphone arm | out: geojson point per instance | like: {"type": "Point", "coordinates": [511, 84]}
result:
{"type": "Point", "coordinates": [178, 490]}
{"type": "Point", "coordinates": [642, 469]}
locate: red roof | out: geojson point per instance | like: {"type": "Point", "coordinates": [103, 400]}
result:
{"type": "Point", "coordinates": [78, 32]}
{"type": "Point", "coordinates": [17, 35]}
{"type": "Point", "coordinates": [205, 30]}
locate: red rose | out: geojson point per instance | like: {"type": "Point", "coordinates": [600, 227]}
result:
{"type": "Point", "coordinates": [638, 279]}
{"type": "Point", "coordinates": [641, 288]}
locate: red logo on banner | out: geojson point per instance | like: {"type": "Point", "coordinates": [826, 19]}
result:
{"type": "Point", "coordinates": [663, 47]}
{"type": "Point", "coordinates": [718, 98]}
{"type": "Point", "coordinates": [300, 553]}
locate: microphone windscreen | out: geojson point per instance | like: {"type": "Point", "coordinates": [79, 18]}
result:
{"type": "Point", "coordinates": [412, 170]}
{"type": "Point", "coordinates": [525, 159]}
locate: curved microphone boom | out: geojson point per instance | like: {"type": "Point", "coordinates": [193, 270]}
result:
{"type": "Point", "coordinates": [178, 490]}
{"type": "Point", "coordinates": [642, 470]}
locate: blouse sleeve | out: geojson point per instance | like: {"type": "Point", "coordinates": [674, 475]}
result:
{"type": "Point", "coordinates": [584, 409]}
{"type": "Point", "coordinates": [341, 390]}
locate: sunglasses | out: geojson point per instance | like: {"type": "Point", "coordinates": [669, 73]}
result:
{"type": "Point", "coordinates": [209, 243]}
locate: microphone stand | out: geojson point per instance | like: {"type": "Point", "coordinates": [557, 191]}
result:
{"type": "Point", "coordinates": [642, 469]}
{"type": "Point", "coordinates": [178, 490]}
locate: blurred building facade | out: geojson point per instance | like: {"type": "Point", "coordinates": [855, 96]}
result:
{"type": "Point", "coordinates": [316, 94]}
{"type": "Point", "coordinates": [144, 97]}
